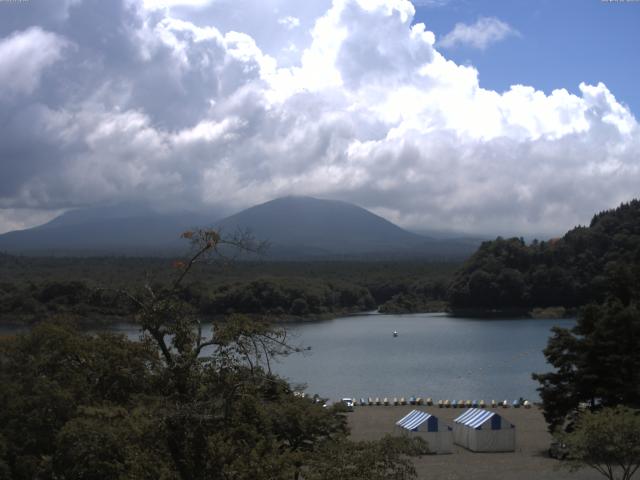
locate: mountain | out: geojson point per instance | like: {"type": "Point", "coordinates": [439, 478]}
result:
{"type": "Point", "coordinates": [295, 228]}
{"type": "Point", "coordinates": [120, 230]}
{"type": "Point", "coordinates": [309, 227]}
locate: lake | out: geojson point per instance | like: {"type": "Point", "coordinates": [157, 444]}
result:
{"type": "Point", "coordinates": [434, 355]}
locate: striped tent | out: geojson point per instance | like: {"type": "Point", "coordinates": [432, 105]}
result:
{"type": "Point", "coordinates": [427, 426]}
{"type": "Point", "coordinates": [482, 430]}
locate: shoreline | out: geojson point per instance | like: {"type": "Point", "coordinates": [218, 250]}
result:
{"type": "Point", "coordinates": [552, 313]}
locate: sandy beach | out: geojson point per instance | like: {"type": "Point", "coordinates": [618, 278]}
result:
{"type": "Point", "coordinates": [530, 460]}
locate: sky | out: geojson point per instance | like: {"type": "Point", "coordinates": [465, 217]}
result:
{"type": "Point", "coordinates": [482, 117]}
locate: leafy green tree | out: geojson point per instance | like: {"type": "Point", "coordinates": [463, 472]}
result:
{"type": "Point", "coordinates": [47, 375]}
{"type": "Point", "coordinates": [218, 409]}
{"type": "Point", "coordinates": [596, 363]}
{"type": "Point", "coordinates": [385, 459]}
{"type": "Point", "coordinates": [113, 442]}
{"type": "Point", "coordinates": [5, 471]}
{"type": "Point", "coordinates": [607, 440]}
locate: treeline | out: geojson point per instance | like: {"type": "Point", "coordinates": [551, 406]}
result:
{"type": "Point", "coordinates": [271, 297]}
{"type": "Point", "coordinates": [287, 297]}
{"type": "Point", "coordinates": [30, 302]}
{"type": "Point", "coordinates": [588, 264]}
{"type": "Point", "coordinates": [91, 289]}
{"type": "Point", "coordinates": [424, 295]}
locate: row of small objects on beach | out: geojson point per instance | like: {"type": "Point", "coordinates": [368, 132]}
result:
{"type": "Point", "coordinates": [440, 403]}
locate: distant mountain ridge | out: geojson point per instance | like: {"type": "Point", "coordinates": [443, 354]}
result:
{"type": "Point", "coordinates": [328, 226]}
{"type": "Point", "coordinates": [295, 228]}
{"type": "Point", "coordinates": [106, 231]}
{"type": "Point", "coordinates": [299, 227]}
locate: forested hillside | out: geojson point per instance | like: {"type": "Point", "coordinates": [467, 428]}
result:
{"type": "Point", "coordinates": [587, 265]}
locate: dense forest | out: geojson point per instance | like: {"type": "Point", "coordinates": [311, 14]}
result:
{"type": "Point", "coordinates": [91, 289]}
{"type": "Point", "coordinates": [588, 264]}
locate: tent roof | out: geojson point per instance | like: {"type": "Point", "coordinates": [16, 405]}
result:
{"type": "Point", "coordinates": [413, 420]}
{"type": "Point", "coordinates": [474, 417]}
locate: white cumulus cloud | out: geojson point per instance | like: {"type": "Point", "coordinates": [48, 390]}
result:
{"type": "Point", "coordinates": [24, 55]}
{"type": "Point", "coordinates": [289, 22]}
{"type": "Point", "coordinates": [162, 106]}
{"type": "Point", "coordinates": [484, 32]}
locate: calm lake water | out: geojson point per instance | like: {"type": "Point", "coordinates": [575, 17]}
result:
{"type": "Point", "coordinates": [434, 355]}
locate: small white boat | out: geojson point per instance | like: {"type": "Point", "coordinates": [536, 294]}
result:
{"type": "Point", "coordinates": [395, 333]}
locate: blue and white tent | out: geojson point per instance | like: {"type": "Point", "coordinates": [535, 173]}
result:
{"type": "Point", "coordinates": [422, 424]}
{"type": "Point", "coordinates": [482, 430]}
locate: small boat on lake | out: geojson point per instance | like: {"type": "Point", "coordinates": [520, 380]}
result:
{"type": "Point", "coordinates": [395, 333]}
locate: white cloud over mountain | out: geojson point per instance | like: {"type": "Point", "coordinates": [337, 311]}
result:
{"type": "Point", "coordinates": [189, 103]}
{"type": "Point", "coordinates": [23, 57]}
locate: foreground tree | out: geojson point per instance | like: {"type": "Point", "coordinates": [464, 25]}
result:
{"type": "Point", "coordinates": [386, 459]}
{"type": "Point", "coordinates": [224, 414]}
{"type": "Point", "coordinates": [597, 363]}
{"type": "Point", "coordinates": [48, 379]}
{"type": "Point", "coordinates": [186, 402]}
{"type": "Point", "coordinates": [607, 441]}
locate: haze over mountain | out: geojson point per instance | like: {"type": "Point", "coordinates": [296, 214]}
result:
{"type": "Point", "coordinates": [294, 227]}
{"type": "Point", "coordinates": [122, 229]}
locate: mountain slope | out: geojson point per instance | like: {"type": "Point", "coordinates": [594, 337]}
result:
{"type": "Point", "coordinates": [113, 230]}
{"type": "Point", "coordinates": [321, 224]}
{"type": "Point", "coordinates": [311, 227]}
